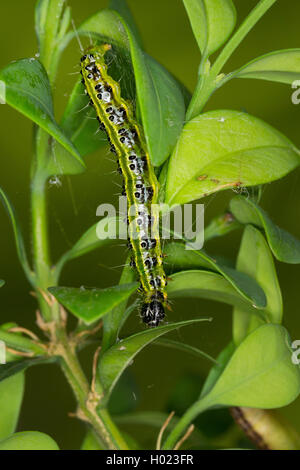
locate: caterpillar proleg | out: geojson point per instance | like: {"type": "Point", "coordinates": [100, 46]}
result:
{"type": "Point", "coordinates": [125, 135]}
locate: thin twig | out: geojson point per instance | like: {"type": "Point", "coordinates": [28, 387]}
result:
{"type": "Point", "coordinates": [162, 430]}
{"type": "Point", "coordinates": [20, 329]}
{"type": "Point", "coordinates": [185, 437]}
{"type": "Point", "coordinates": [20, 353]}
{"type": "Point", "coordinates": [95, 360]}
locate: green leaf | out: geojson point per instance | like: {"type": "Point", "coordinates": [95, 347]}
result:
{"type": "Point", "coordinates": [169, 343]}
{"type": "Point", "coordinates": [2, 283]}
{"type": "Point", "coordinates": [259, 374]}
{"type": "Point", "coordinates": [255, 259]}
{"type": "Point", "coordinates": [121, 7]}
{"type": "Point", "coordinates": [29, 440]}
{"type": "Point", "coordinates": [278, 66]}
{"type": "Point", "coordinates": [207, 285]}
{"type": "Point", "coordinates": [17, 234]}
{"type": "Point", "coordinates": [178, 258]}
{"type": "Point", "coordinates": [89, 305]}
{"type": "Point", "coordinates": [226, 149]}
{"type": "Point", "coordinates": [217, 369]}
{"type": "Point", "coordinates": [212, 22]}
{"type": "Point", "coordinates": [11, 396]}
{"type": "Point", "coordinates": [80, 124]}
{"type": "Point", "coordinates": [160, 99]}
{"type": "Point", "coordinates": [28, 91]}
{"type": "Point", "coordinates": [12, 368]}
{"type": "Point", "coordinates": [284, 246]}
{"type": "Point", "coordinates": [115, 360]}
{"type": "Point", "coordinates": [244, 284]}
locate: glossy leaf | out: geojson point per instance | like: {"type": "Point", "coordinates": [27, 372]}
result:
{"type": "Point", "coordinates": [11, 396]}
{"type": "Point", "coordinates": [115, 360]}
{"type": "Point", "coordinates": [207, 285]}
{"type": "Point", "coordinates": [226, 149]}
{"type": "Point", "coordinates": [284, 246]}
{"type": "Point", "coordinates": [29, 440]}
{"type": "Point", "coordinates": [278, 66]}
{"type": "Point", "coordinates": [212, 22]}
{"type": "Point", "coordinates": [256, 260]}
{"type": "Point", "coordinates": [259, 374]}
{"type": "Point", "coordinates": [216, 371]}
{"type": "Point", "coordinates": [2, 283]}
{"type": "Point", "coordinates": [28, 91]}
{"type": "Point", "coordinates": [244, 284]}
{"type": "Point", "coordinates": [89, 305]}
{"type": "Point", "coordinates": [160, 99]}
{"type": "Point", "coordinates": [17, 233]}
{"type": "Point", "coordinates": [12, 368]}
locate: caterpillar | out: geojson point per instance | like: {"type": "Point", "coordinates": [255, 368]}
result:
{"type": "Point", "coordinates": [125, 135]}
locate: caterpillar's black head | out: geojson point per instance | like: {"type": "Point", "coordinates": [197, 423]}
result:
{"type": "Point", "coordinates": [152, 313]}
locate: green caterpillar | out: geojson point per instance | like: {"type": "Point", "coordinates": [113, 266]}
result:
{"type": "Point", "coordinates": [125, 135]}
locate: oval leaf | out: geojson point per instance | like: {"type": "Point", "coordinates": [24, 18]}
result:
{"type": "Point", "coordinates": [11, 396]}
{"type": "Point", "coordinates": [29, 440]}
{"type": "Point", "coordinates": [260, 373]}
{"type": "Point", "coordinates": [255, 259]}
{"type": "Point", "coordinates": [115, 360]}
{"type": "Point", "coordinates": [207, 285]}
{"type": "Point", "coordinates": [2, 283]}
{"type": "Point", "coordinates": [278, 66]}
{"type": "Point", "coordinates": [160, 99]}
{"type": "Point", "coordinates": [226, 149]}
{"type": "Point", "coordinates": [28, 91]}
{"type": "Point", "coordinates": [244, 284]}
{"type": "Point", "coordinates": [22, 255]}
{"type": "Point", "coordinates": [218, 368]}
{"type": "Point", "coordinates": [212, 22]}
{"type": "Point", "coordinates": [89, 305]}
{"type": "Point", "coordinates": [284, 246]}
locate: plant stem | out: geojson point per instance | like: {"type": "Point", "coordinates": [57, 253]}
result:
{"type": "Point", "coordinates": [209, 82]}
{"type": "Point", "coordinates": [99, 420]}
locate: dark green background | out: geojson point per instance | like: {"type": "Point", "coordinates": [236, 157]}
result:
{"type": "Point", "coordinates": [167, 36]}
